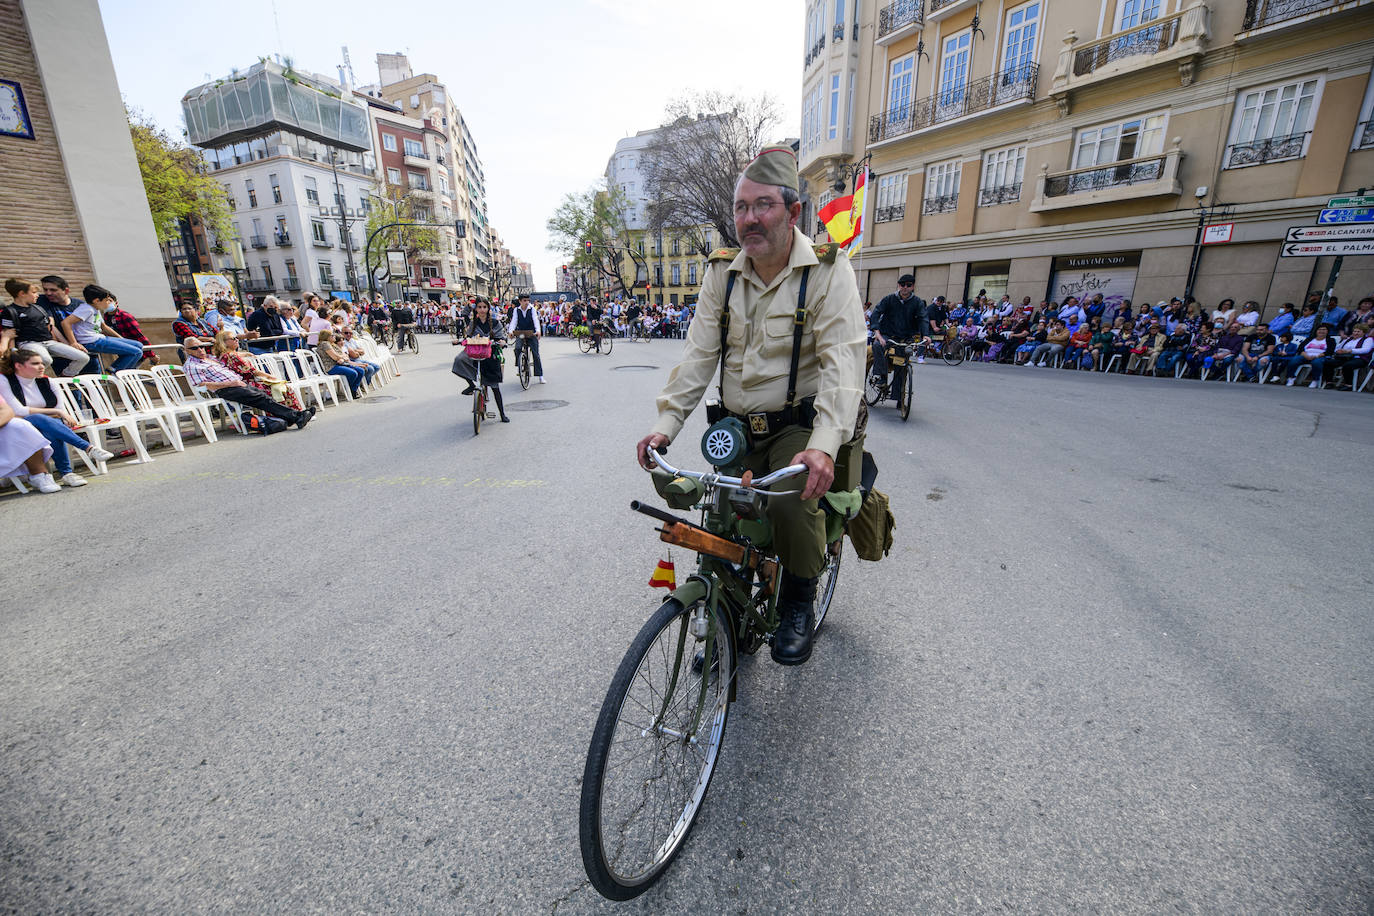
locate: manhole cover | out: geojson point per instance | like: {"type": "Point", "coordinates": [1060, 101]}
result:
{"type": "Point", "coordinates": [378, 398]}
{"type": "Point", "coordinates": [536, 405]}
{"type": "Point", "coordinates": [635, 368]}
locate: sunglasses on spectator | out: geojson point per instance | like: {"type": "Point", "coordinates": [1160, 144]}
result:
{"type": "Point", "coordinates": [906, 284]}
{"type": "Point", "coordinates": [195, 348]}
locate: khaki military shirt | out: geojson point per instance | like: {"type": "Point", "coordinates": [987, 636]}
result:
{"type": "Point", "coordinates": [759, 350]}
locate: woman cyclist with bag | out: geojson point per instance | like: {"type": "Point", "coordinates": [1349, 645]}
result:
{"type": "Point", "coordinates": [483, 325]}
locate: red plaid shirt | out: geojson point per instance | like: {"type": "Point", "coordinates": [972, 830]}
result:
{"type": "Point", "coordinates": [127, 326]}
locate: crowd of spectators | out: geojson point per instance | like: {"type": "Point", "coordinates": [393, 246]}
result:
{"type": "Point", "coordinates": [1167, 338]}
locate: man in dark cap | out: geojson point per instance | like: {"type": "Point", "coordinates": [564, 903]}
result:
{"type": "Point", "coordinates": [760, 289]}
{"type": "Point", "coordinates": [899, 316]}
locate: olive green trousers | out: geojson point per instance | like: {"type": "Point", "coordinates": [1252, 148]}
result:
{"type": "Point", "coordinates": [798, 524]}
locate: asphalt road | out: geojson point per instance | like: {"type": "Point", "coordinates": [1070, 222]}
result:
{"type": "Point", "coordinates": [1119, 661]}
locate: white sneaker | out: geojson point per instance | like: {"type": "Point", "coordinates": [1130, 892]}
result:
{"type": "Point", "coordinates": [920, 359]}
{"type": "Point", "coordinates": [73, 479]}
{"type": "Point", "coordinates": [1290, 382]}
{"type": "Point", "coordinates": [541, 380]}
{"type": "Point", "coordinates": [1312, 385]}
{"type": "Point", "coordinates": [43, 483]}
{"type": "Point", "coordinates": [96, 453]}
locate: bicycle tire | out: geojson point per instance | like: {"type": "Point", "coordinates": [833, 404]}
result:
{"type": "Point", "coordinates": [414, 342]}
{"type": "Point", "coordinates": [874, 391]}
{"type": "Point", "coordinates": [606, 342]}
{"type": "Point", "coordinates": [584, 343]}
{"type": "Point", "coordinates": [904, 395]}
{"type": "Point", "coordinates": [631, 770]}
{"type": "Point", "coordinates": [523, 368]}
{"type": "Point", "coordinates": [479, 410]}
{"type": "Point", "coordinates": [952, 355]}
{"type": "Point", "coordinates": [830, 576]}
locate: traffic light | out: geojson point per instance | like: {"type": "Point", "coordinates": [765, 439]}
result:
{"type": "Point", "coordinates": [588, 246]}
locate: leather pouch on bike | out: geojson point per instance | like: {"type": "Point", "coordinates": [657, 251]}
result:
{"type": "Point", "coordinates": [871, 530]}
{"type": "Point", "coordinates": [677, 492]}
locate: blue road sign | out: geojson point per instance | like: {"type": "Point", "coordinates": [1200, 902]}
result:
{"type": "Point", "coordinates": [1346, 215]}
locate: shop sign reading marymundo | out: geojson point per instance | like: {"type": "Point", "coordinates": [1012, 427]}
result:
{"type": "Point", "coordinates": [1085, 275]}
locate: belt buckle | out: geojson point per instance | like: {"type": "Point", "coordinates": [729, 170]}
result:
{"type": "Point", "coordinates": [758, 424]}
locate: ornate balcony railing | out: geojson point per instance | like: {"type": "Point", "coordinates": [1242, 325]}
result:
{"type": "Point", "coordinates": [816, 50]}
{"type": "Point", "coordinates": [291, 284]}
{"type": "Point", "coordinates": [946, 204]}
{"type": "Point", "coordinates": [1261, 13]}
{"type": "Point", "coordinates": [899, 15]}
{"type": "Point", "coordinates": [937, 5]}
{"type": "Point", "coordinates": [283, 239]}
{"type": "Point", "coordinates": [1151, 38]}
{"type": "Point", "coordinates": [257, 241]}
{"type": "Point", "coordinates": [1262, 152]}
{"type": "Point", "coordinates": [1001, 194]}
{"type": "Point", "coordinates": [889, 214]}
{"type": "Point", "coordinates": [259, 286]}
{"type": "Point", "coordinates": [837, 34]}
{"type": "Point", "coordinates": [1364, 135]}
{"type": "Point", "coordinates": [1011, 85]}
{"type": "Point", "coordinates": [1129, 172]}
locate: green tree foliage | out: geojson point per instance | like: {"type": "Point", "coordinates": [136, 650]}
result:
{"type": "Point", "coordinates": [176, 182]}
{"type": "Point", "coordinates": [602, 218]}
{"type": "Point", "coordinates": [393, 205]}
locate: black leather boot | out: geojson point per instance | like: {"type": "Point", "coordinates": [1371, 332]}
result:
{"type": "Point", "coordinates": [797, 610]}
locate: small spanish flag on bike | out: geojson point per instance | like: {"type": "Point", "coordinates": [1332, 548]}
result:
{"type": "Point", "coordinates": [664, 575]}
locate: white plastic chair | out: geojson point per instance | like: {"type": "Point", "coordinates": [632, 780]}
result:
{"type": "Point", "coordinates": [136, 381]}
{"type": "Point", "coordinates": [275, 364]}
{"type": "Point", "coordinates": [1111, 363]}
{"type": "Point", "coordinates": [135, 401]}
{"type": "Point", "coordinates": [92, 433]}
{"type": "Point", "coordinates": [311, 362]}
{"type": "Point", "coordinates": [1356, 386]}
{"type": "Point", "coordinates": [371, 353]}
{"type": "Point", "coordinates": [169, 379]}
{"type": "Point", "coordinates": [319, 385]}
{"type": "Point", "coordinates": [93, 394]}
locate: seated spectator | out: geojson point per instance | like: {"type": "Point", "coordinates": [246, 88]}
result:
{"type": "Point", "coordinates": [267, 322]}
{"type": "Point", "coordinates": [85, 329]}
{"type": "Point", "coordinates": [1335, 315]}
{"type": "Point", "coordinates": [1224, 313]}
{"type": "Point", "coordinates": [1070, 313]}
{"type": "Point", "coordinates": [1101, 346]}
{"type": "Point", "coordinates": [1056, 338]}
{"type": "Point", "coordinates": [1283, 320]}
{"type": "Point", "coordinates": [23, 451]}
{"type": "Point", "coordinates": [1315, 352]}
{"type": "Point", "coordinates": [1038, 335]}
{"type": "Point", "coordinates": [292, 327]}
{"type": "Point", "coordinates": [1017, 336]}
{"type": "Point", "coordinates": [30, 394]}
{"type": "Point", "coordinates": [1352, 355]}
{"type": "Point", "coordinates": [128, 328]}
{"type": "Point", "coordinates": [25, 323]}
{"type": "Point", "coordinates": [190, 325]}
{"type": "Point", "coordinates": [1363, 315]}
{"type": "Point", "coordinates": [1229, 344]}
{"type": "Point", "coordinates": [203, 371]}
{"type": "Point", "coordinates": [1126, 341]}
{"type": "Point", "coordinates": [1203, 346]}
{"type": "Point", "coordinates": [227, 351]}
{"type": "Point", "coordinates": [347, 341]}
{"type": "Point", "coordinates": [1248, 317]}
{"type": "Point", "coordinates": [1078, 353]}
{"type": "Point", "coordinates": [1174, 348]}
{"type": "Point", "coordinates": [1303, 326]}
{"type": "Point", "coordinates": [1284, 350]}
{"type": "Point", "coordinates": [1147, 349]}
{"type": "Point", "coordinates": [336, 362]}
{"type": "Point", "coordinates": [1256, 352]}
{"type": "Point", "coordinates": [314, 324]}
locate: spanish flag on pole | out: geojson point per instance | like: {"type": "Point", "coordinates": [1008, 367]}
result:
{"type": "Point", "coordinates": [843, 217]}
{"type": "Point", "coordinates": [664, 575]}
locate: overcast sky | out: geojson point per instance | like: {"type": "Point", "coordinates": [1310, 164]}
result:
{"type": "Point", "coordinates": [547, 88]}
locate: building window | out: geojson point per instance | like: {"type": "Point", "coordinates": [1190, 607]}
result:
{"type": "Point", "coordinates": [252, 194]}
{"type": "Point", "coordinates": [1131, 139]}
{"type": "Point", "coordinates": [1023, 25]}
{"type": "Point", "coordinates": [317, 231]}
{"type": "Point", "coordinates": [290, 269]}
{"type": "Point", "coordinates": [429, 271]}
{"type": "Point", "coordinates": [890, 205]}
{"type": "Point", "coordinates": [849, 108]}
{"type": "Point", "coordinates": [676, 275]}
{"type": "Point", "coordinates": [900, 77]}
{"type": "Point", "coordinates": [267, 274]}
{"type": "Point", "coordinates": [676, 247]}
{"type": "Point", "coordinates": [414, 148]}
{"type": "Point", "coordinates": [834, 130]}
{"type": "Point", "coordinates": [364, 203]}
{"type": "Point", "coordinates": [942, 187]}
{"type": "Point", "coordinates": [389, 142]}
{"type": "Point", "coordinates": [326, 274]}
{"type": "Point", "coordinates": [276, 188]}
{"type": "Point", "coordinates": [954, 55]}
{"type": "Point", "coordinates": [1364, 129]}
{"type": "Point", "coordinates": [692, 274]}
{"type": "Point", "coordinates": [312, 192]}
{"type": "Point", "coordinates": [1131, 13]}
{"type": "Point", "coordinates": [393, 176]}
{"type": "Point", "coordinates": [418, 181]}
{"type": "Point", "coordinates": [1003, 170]}
{"type": "Point", "coordinates": [229, 196]}
{"type": "Point", "coordinates": [1273, 123]}
{"type": "Point", "coordinates": [658, 275]}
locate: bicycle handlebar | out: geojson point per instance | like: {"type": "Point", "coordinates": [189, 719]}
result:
{"type": "Point", "coordinates": [734, 483]}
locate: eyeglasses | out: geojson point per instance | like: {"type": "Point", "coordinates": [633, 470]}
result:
{"type": "Point", "coordinates": [906, 284]}
{"type": "Point", "coordinates": [760, 207]}
{"type": "Point", "coordinates": [193, 349]}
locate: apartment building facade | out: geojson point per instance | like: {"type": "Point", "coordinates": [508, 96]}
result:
{"type": "Point", "coordinates": [1065, 147]}
{"type": "Point", "coordinates": [294, 154]}
{"type": "Point", "coordinates": [423, 97]}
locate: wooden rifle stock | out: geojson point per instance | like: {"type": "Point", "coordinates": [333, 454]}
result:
{"type": "Point", "coordinates": [694, 538]}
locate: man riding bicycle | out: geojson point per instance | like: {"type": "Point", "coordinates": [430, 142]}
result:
{"type": "Point", "coordinates": [525, 318]}
{"type": "Point", "coordinates": [900, 316]}
{"type": "Point", "coordinates": [403, 321]}
{"type": "Point", "coordinates": [779, 314]}
{"type": "Point", "coordinates": [594, 322]}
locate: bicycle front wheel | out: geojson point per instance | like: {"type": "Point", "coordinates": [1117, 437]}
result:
{"type": "Point", "coordinates": [904, 395]}
{"type": "Point", "coordinates": [524, 368]}
{"type": "Point", "coordinates": [606, 345]}
{"type": "Point", "coordinates": [953, 354]}
{"type": "Point", "coordinates": [654, 749]}
{"type": "Point", "coordinates": [830, 577]}
{"type": "Point", "coordinates": [414, 342]}
{"type": "Point", "coordinates": [479, 410]}
{"type": "Point", "coordinates": [585, 344]}
{"type": "Point", "coordinates": [875, 389]}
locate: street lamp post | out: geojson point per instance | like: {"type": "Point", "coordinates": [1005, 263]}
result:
{"type": "Point", "coordinates": [345, 236]}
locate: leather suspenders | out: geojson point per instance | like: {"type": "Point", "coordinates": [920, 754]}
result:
{"type": "Point", "coordinates": [798, 323]}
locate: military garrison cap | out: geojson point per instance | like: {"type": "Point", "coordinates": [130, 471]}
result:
{"type": "Point", "coordinates": [776, 165]}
